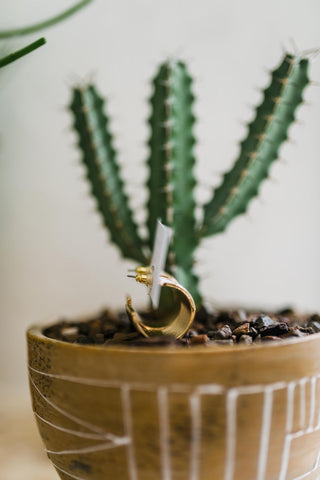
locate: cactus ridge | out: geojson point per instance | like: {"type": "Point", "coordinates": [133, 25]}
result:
{"type": "Point", "coordinates": [171, 179]}
{"type": "Point", "coordinates": [260, 148]}
{"type": "Point", "coordinates": [103, 171]}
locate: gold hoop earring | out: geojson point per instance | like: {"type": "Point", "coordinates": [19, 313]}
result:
{"type": "Point", "coordinates": [176, 322]}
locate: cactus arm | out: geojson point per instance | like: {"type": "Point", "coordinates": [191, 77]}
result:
{"type": "Point", "coordinates": [171, 182]}
{"type": "Point", "coordinates": [99, 158]}
{"type": "Point", "coordinates": [158, 200]}
{"type": "Point", "coordinates": [16, 32]}
{"type": "Point", "coordinates": [260, 149]}
{"type": "Point", "coordinates": [12, 57]}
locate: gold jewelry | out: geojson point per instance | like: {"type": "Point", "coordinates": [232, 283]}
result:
{"type": "Point", "coordinates": [176, 321]}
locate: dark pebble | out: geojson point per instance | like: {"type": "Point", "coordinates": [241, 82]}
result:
{"type": "Point", "coordinates": [243, 329]}
{"type": "Point", "coordinates": [83, 328]}
{"type": "Point", "coordinates": [191, 333]}
{"type": "Point", "coordinates": [263, 321]}
{"type": "Point", "coordinates": [275, 330]}
{"type": "Point", "coordinates": [202, 331]}
{"type": "Point", "coordinates": [212, 333]}
{"type": "Point", "coordinates": [306, 330]}
{"type": "Point", "coordinates": [95, 326]}
{"type": "Point", "coordinates": [198, 340]}
{"type": "Point", "coordinates": [246, 339]}
{"type": "Point", "coordinates": [314, 325]}
{"type": "Point", "coordinates": [253, 332]}
{"type": "Point", "coordinates": [223, 333]}
{"type": "Point", "coordinates": [295, 332]}
{"type": "Point", "coordinates": [109, 332]}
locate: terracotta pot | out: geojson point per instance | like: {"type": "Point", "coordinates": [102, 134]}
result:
{"type": "Point", "coordinates": [223, 413]}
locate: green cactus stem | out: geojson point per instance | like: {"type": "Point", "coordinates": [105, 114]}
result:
{"type": "Point", "coordinates": [171, 179]}
{"type": "Point", "coordinates": [157, 183]}
{"type": "Point", "coordinates": [12, 57]}
{"type": "Point", "coordinates": [103, 171]}
{"type": "Point", "coordinates": [260, 149]}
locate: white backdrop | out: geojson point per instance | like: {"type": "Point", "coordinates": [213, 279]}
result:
{"type": "Point", "coordinates": [55, 259]}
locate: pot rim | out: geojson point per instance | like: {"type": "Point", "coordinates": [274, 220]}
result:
{"type": "Point", "coordinates": [35, 331]}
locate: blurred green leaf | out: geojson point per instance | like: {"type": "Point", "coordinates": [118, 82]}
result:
{"type": "Point", "coordinates": [16, 32]}
{"type": "Point", "coordinates": [12, 57]}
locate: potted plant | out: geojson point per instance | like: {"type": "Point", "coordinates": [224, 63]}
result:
{"type": "Point", "coordinates": [235, 406]}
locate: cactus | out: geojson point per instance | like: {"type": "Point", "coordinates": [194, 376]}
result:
{"type": "Point", "coordinates": [171, 160]}
{"type": "Point", "coordinates": [260, 149]}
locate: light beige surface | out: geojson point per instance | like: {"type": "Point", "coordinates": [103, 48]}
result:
{"type": "Point", "coordinates": [22, 454]}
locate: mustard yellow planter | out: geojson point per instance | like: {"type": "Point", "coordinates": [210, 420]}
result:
{"type": "Point", "coordinates": [223, 413]}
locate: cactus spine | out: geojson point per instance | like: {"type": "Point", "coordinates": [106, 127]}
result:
{"type": "Point", "coordinates": [171, 161]}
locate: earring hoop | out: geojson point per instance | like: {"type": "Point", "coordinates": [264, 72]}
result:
{"type": "Point", "coordinates": [175, 323]}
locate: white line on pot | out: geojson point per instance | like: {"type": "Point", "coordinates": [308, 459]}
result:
{"type": "Point", "coordinates": [164, 429]}
{"type": "Point", "coordinates": [231, 408]}
{"type": "Point", "coordinates": [195, 410]}
{"type": "Point", "coordinates": [312, 402]}
{"type": "Point", "coordinates": [127, 420]}
{"type": "Point", "coordinates": [77, 433]}
{"type": "Point", "coordinates": [290, 406]}
{"type": "Point", "coordinates": [91, 448]}
{"type": "Point", "coordinates": [265, 433]}
{"type": "Point", "coordinates": [67, 473]}
{"type": "Point", "coordinates": [302, 383]}
{"type": "Point", "coordinates": [285, 458]}
{"type": "Point", "coordinates": [79, 421]}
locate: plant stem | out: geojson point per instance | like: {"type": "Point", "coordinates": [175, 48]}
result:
{"type": "Point", "coordinates": [16, 32]}
{"type": "Point", "coordinates": [12, 57]}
